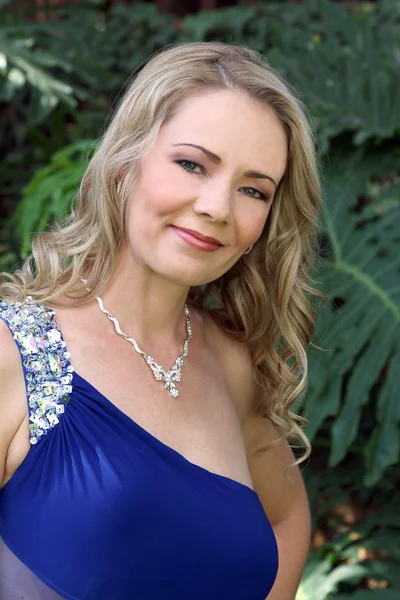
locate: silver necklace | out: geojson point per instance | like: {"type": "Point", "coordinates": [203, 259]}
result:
{"type": "Point", "coordinates": [169, 377]}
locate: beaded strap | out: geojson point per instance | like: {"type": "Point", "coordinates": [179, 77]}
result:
{"type": "Point", "coordinates": [48, 372]}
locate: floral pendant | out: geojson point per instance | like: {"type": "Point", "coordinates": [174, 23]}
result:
{"type": "Point", "coordinates": [174, 374]}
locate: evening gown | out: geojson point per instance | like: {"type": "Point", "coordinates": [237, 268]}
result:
{"type": "Point", "coordinates": [100, 509]}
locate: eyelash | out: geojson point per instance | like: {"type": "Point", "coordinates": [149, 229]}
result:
{"type": "Point", "coordinates": [191, 162]}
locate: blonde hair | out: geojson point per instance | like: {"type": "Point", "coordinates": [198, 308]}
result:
{"type": "Point", "coordinates": [264, 300]}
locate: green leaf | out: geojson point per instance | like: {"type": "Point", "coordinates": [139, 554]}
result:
{"type": "Point", "coordinates": [359, 338]}
{"type": "Point", "coordinates": [362, 378]}
{"type": "Point", "coordinates": [49, 195]}
{"type": "Point", "coordinates": [320, 580]}
{"type": "Point", "coordinates": [370, 595]}
{"type": "Point", "coordinates": [383, 448]}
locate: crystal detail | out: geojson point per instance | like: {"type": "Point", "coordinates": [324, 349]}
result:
{"type": "Point", "coordinates": [55, 362]}
{"type": "Point", "coordinates": [37, 365]}
{"type": "Point", "coordinates": [47, 368]}
{"type": "Point", "coordinates": [54, 336]}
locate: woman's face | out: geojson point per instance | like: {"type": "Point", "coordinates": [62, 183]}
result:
{"type": "Point", "coordinates": [213, 169]}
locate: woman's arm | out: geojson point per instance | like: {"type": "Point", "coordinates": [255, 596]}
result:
{"type": "Point", "coordinates": [285, 503]}
{"type": "Point", "coordinates": [13, 404]}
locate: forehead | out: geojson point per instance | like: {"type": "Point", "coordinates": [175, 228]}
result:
{"type": "Point", "coordinates": [241, 130]}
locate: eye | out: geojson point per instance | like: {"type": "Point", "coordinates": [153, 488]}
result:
{"type": "Point", "coordinates": [251, 191]}
{"type": "Point", "coordinates": [190, 166]}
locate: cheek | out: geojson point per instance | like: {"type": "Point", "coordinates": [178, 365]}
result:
{"type": "Point", "coordinates": [251, 224]}
{"type": "Point", "coordinates": [163, 193]}
{"type": "Point", "coordinates": [151, 206]}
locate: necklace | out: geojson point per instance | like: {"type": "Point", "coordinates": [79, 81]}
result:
{"type": "Point", "coordinates": [169, 377]}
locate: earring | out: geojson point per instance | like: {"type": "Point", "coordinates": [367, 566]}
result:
{"type": "Point", "coordinates": [249, 249]}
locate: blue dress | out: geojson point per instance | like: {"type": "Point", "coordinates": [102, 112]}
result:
{"type": "Point", "coordinates": [100, 509]}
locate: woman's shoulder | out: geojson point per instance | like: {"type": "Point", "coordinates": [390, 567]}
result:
{"type": "Point", "coordinates": [10, 360]}
{"type": "Point", "coordinates": [235, 361]}
{"type": "Point", "coordinates": [13, 405]}
{"type": "Point", "coordinates": [9, 355]}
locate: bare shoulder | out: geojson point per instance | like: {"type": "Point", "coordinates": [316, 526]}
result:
{"type": "Point", "coordinates": [13, 405]}
{"type": "Point", "coordinates": [10, 363]}
{"type": "Point", "coordinates": [235, 361]}
{"type": "Point", "coordinates": [280, 496]}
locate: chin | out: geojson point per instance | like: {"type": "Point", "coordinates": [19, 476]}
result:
{"type": "Point", "coordinates": [186, 277]}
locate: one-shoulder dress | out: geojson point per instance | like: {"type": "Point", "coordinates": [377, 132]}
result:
{"type": "Point", "coordinates": [100, 509]}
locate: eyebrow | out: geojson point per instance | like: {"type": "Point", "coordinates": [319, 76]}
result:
{"type": "Point", "coordinates": [217, 159]}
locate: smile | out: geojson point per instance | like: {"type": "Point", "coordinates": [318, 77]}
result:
{"type": "Point", "coordinates": [197, 240]}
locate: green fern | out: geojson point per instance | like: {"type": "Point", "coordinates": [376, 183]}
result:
{"type": "Point", "coordinates": [361, 339]}
{"type": "Point", "coordinates": [319, 580]}
{"type": "Point", "coordinates": [361, 541]}
{"type": "Point", "coordinates": [21, 68]}
{"type": "Point", "coordinates": [345, 66]}
{"type": "Point", "coordinates": [50, 193]}
{"type": "Point", "coordinates": [369, 595]}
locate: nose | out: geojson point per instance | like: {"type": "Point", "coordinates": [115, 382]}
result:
{"type": "Point", "coordinates": [215, 203]}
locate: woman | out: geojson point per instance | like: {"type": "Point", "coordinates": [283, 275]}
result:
{"type": "Point", "coordinates": [191, 242]}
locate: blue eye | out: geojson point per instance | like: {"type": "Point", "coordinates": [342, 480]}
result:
{"type": "Point", "coordinates": [260, 196]}
{"type": "Point", "coordinates": [190, 165]}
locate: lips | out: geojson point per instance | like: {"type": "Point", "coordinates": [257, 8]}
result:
{"type": "Point", "coordinates": [197, 240]}
{"type": "Point", "coordinates": [201, 237]}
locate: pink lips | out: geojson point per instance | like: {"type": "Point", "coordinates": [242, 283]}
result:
{"type": "Point", "coordinates": [197, 240]}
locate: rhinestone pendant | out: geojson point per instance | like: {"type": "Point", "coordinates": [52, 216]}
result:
{"type": "Point", "coordinates": [168, 377]}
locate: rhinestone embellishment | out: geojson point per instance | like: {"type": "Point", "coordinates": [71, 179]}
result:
{"type": "Point", "coordinates": [48, 372]}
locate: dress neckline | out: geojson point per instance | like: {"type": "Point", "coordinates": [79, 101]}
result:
{"type": "Point", "coordinates": [144, 432]}
{"type": "Point", "coordinates": [152, 438]}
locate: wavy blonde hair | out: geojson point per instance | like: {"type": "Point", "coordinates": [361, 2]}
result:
{"type": "Point", "coordinates": [264, 300]}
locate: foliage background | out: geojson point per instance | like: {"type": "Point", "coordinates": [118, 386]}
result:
{"type": "Point", "coordinates": [60, 77]}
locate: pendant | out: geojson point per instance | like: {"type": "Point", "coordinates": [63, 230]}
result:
{"type": "Point", "coordinates": [174, 374]}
